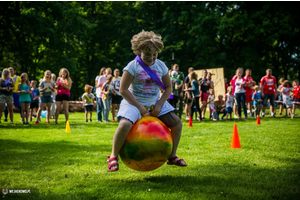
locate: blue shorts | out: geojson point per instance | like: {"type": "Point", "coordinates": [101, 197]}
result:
{"type": "Point", "coordinates": [46, 99]}
{"type": "Point", "coordinates": [296, 100]}
{"type": "Point", "coordinates": [228, 110]}
{"type": "Point", "coordinates": [272, 99]}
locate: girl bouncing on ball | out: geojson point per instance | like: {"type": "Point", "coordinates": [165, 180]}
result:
{"type": "Point", "coordinates": [140, 92]}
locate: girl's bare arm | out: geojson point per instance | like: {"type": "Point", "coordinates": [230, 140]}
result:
{"type": "Point", "coordinates": [125, 83]}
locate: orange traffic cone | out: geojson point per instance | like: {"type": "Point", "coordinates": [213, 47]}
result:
{"type": "Point", "coordinates": [68, 129]}
{"type": "Point", "coordinates": [190, 122]}
{"type": "Point", "coordinates": [235, 141]}
{"type": "Point", "coordinates": [257, 120]}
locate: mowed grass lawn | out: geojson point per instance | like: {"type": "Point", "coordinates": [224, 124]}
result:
{"type": "Point", "coordinates": [53, 164]}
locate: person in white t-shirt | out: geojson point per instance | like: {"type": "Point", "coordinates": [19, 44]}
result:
{"type": "Point", "coordinates": [235, 107]}
{"type": "Point", "coordinates": [140, 91]}
{"type": "Point", "coordinates": [101, 82]}
{"type": "Point", "coordinates": [240, 94]}
{"type": "Point", "coordinates": [229, 99]}
{"type": "Point", "coordinates": [211, 104]}
{"type": "Point", "coordinates": [98, 94]}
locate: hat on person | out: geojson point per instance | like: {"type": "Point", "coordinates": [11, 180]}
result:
{"type": "Point", "coordinates": [174, 73]}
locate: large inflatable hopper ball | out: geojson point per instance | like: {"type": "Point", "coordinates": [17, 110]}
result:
{"type": "Point", "coordinates": [148, 145]}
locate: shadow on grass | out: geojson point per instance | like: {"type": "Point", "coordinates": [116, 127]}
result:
{"type": "Point", "coordinates": [30, 155]}
{"type": "Point", "coordinates": [212, 182]}
{"type": "Point", "coordinates": [43, 125]}
{"type": "Point", "coordinates": [234, 182]}
{"type": "Point", "coordinates": [200, 182]}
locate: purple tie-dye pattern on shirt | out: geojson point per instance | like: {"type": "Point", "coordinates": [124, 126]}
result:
{"type": "Point", "coordinates": [144, 78]}
{"type": "Point", "coordinates": [149, 87]}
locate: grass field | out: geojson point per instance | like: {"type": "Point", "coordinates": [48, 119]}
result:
{"type": "Point", "coordinates": [53, 164]}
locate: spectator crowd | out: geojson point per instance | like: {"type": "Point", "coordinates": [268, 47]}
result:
{"type": "Point", "coordinates": [192, 94]}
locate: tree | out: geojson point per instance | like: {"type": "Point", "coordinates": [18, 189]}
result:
{"type": "Point", "coordinates": [85, 36]}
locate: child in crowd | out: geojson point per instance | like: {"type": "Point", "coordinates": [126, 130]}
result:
{"type": "Point", "coordinates": [53, 78]}
{"type": "Point", "coordinates": [139, 90]}
{"type": "Point", "coordinates": [229, 100]}
{"type": "Point", "coordinates": [176, 85]}
{"type": "Point", "coordinates": [106, 97]}
{"type": "Point", "coordinates": [64, 84]}
{"type": "Point", "coordinates": [256, 98]}
{"type": "Point", "coordinates": [252, 87]}
{"type": "Point", "coordinates": [196, 113]}
{"type": "Point", "coordinates": [25, 99]}
{"type": "Point", "coordinates": [46, 88]}
{"type": "Point", "coordinates": [211, 104]}
{"type": "Point", "coordinates": [88, 99]}
{"type": "Point", "coordinates": [35, 95]}
{"type": "Point", "coordinates": [220, 108]}
{"type": "Point", "coordinates": [196, 95]}
{"type": "Point", "coordinates": [296, 96]}
{"type": "Point", "coordinates": [116, 96]}
{"type": "Point", "coordinates": [279, 98]}
{"type": "Point", "coordinates": [285, 90]}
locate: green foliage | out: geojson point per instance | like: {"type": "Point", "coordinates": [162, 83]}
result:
{"type": "Point", "coordinates": [54, 164]}
{"type": "Point", "coordinates": [85, 36]}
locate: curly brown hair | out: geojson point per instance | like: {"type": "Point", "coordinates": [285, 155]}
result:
{"type": "Point", "coordinates": [146, 39]}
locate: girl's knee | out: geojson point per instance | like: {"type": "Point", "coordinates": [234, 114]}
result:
{"type": "Point", "coordinates": [171, 120]}
{"type": "Point", "coordinates": [125, 124]}
{"type": "Point", "coordinates": [179, 125]}
{"type": "Point", "coordinates": [177, 129]}
{"type": "Point", "coordinates": [65, 109]}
